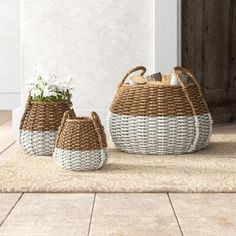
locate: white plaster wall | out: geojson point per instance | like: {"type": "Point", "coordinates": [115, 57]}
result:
{"type": "Point", "coordinates": [167, 35]}
{"type": "Point", "coordinates": [9, 54]}
{"type": "Point", "coordinates": [95, 42]}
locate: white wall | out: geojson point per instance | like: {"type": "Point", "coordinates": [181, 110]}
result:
{"type": "Point", "coordinates": [9, 54]}
{"type": "Point", "coordinates": [94, 41]}
{"type": "Point", "coordinates": [167, 35]}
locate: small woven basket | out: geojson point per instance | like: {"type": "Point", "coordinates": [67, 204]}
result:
{"type": "Point", "coordinates": [154, 118]}
{"type": "Point", "coordinates": [39, 125]}
{"type": "Point", "coordinates": [81, 143]}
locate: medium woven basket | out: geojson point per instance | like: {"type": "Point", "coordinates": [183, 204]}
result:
{"type": "Point", "coordinates": [81, 143]}
{"type": "Point", "coordinates": [154, 118]}
{"type": "Point", "coordinates": [39, 125]}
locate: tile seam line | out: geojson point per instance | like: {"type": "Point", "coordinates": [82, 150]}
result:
{"type": "Point", "coordinates": [173, 209]}
{"type": "Point", "coordinates": [4, 122]}
{"type": "Point", "coordinates": [13, 207]}
{"type": "Point", "coordinates": [5, 149]}
{"type": "Point", "coordinates": [91, 217]}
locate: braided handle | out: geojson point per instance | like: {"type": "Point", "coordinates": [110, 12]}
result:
{"type": "Point", "coordinates": [178, 71]}
{"type": "Point", "coordinates": [142, 68]}
{"type": "Point", "coordinates": [67, 114]}
{"type": "Point", "coordinates": [99, 129]}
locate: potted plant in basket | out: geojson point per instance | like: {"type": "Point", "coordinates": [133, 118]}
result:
{"type": "Point", "coordinates": [48, 99]}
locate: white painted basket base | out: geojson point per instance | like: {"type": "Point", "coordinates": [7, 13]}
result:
{"type": "Point", "coordinates": [40, 143]}
{"type": "Point", "coordinates": [80, 160]}
{"type": "Point", "coordinates": [161, 134]}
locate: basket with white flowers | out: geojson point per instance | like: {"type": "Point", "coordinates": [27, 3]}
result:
{"type": "Point", "coordinates": [49, 98]}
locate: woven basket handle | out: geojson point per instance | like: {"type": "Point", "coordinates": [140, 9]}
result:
{"type": "Point", "coordinates": [181, 70]}
{"type": "Point", "coordinates": [142, 68]}
{"type": "Point", "coordinates": [99, 129]}
{"type": "Point", "coordinates": [67, 114]}
{"type": "Point", "coordinates": [190, 74]}
{"type": "Point", "coordinates": [178, 70]}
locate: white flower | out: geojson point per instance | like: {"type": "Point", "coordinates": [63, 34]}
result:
{"type": "Point", "coordinates": [48, 93]}
{"type": "Point", "coordinates": [50, 79]}
{"type": "Point", "coordinates": [62, 86]}
{"type": "Point", "coordinates": [65, 85]}
{"type": "Point", "coordinates": [47, 86]}
{"type": "Point", "coordinates": [35, 92]}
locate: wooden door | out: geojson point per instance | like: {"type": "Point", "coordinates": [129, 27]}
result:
{"type": "Point", "coordinates": [209, 50]}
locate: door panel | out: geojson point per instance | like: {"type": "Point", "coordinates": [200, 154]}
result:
{"type": "Point", "coordinates": [209, 50]}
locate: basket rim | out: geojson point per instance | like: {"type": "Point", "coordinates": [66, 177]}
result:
{"type": "Point", "coordinates": [49, 102]}
{"type": "Point", "coordinates": [157, 85]}
{"type": "Point", "coordinates": [81, 119]}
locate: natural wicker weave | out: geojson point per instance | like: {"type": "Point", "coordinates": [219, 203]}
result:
{"type": "Point", "coordinates": [154, 118]}
{"type": "Point", "coordinates": [81, 143]}
{"type": "Point", "coordinates": [39, 125]}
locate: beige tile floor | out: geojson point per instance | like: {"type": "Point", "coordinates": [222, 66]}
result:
{"type": "Point", "coordinates": [145, 214]}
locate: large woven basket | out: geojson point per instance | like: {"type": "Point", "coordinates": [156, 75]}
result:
{"type": "Point", "coordinates": [81, 143]}
{"type": "Point", "coordinates": [39, 125]}
{"type": "Point", "coordinates": [154, 118]}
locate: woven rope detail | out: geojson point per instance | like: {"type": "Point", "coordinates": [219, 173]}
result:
{"type": "Point", "coordinates": [197, 134]}
{"type": "Point", "coordinates": [153, 100]}
{"type": "Point", "coordinates": [81, 133]}
{"type": "Point", "coordinates": [160, 135]}
{"type": "Point", "coordinates": [40, 143]}
{"type": "Point", "coordinates": [210, 131]}
{"type": "Point", "coordinates": [43, 116]}
{"type": "Point", "coordinates": [159, 99]}
{"type": "Point", "coordinates": [80, 160]}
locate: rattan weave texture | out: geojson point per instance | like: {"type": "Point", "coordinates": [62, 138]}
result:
{"type": "Point", "coordinates": [81, 143]}
{"type": "Point", "coordinates": [39, 126]}
{"type": "Point", "coordinates": [43, 116]}
{"type": "Point", "coordinates": [160, 135]}
{"type": "Point", "coordinates": [81, 160]}
{"type": "Point", "coordinates": [158, 118]}
{"type": "Point", "coordinates": [39, 143]}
